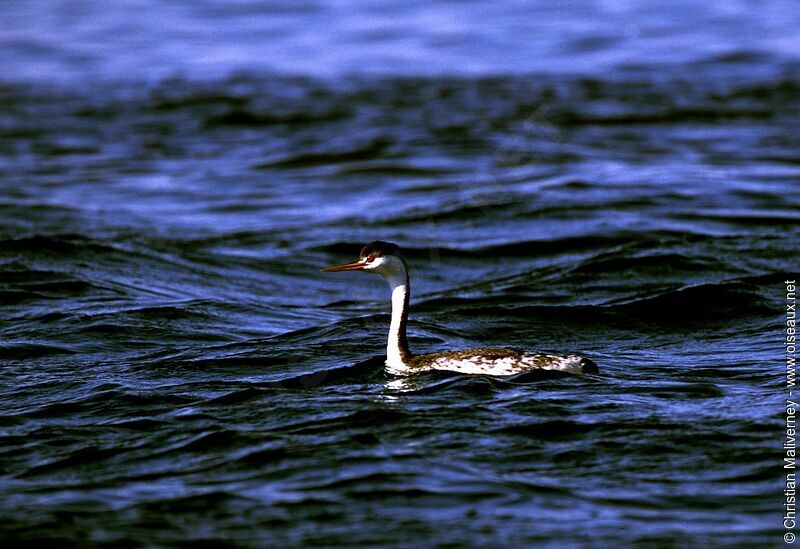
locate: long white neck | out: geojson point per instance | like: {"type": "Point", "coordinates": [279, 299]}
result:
{"type": "Point", "coordinates": [397, 346]}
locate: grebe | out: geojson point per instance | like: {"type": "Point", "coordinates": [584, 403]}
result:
{"type": "Point", "coordinates": [385, 259]}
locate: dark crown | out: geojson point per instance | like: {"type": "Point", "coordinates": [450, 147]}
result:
{"type": "Point", "coordinates": [378, 248]}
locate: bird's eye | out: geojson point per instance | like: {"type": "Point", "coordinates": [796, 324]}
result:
{"type": "Point", "coordinates": [371, 258]}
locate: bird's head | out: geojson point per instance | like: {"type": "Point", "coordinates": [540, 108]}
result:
{"type": "Point", "coordinates": [383, 258]}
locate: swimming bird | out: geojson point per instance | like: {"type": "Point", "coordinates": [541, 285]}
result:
{"type": "Point", "coordinates": [385, 259]}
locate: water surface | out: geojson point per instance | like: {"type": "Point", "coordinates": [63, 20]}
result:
{"type": "Point", "coordinates": [601, 179]}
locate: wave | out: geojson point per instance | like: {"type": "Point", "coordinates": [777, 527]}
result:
{"type": "Point", "coordinates": [456, 111]}
{"type": "Point", "coordinates": [682, 306]}
{"type": "Point", "coordinates": [673, 261]}
{"type": "Point", "coordinates": [27, 350]}
{"type": "Point", "coordinates": [58, 243]}
{"type": "Point", "coordinates": [374, 149]}
{"type": "Point", "coordinates": [621, 242]}
{"type": "Point", "coordinates": [248, 117]}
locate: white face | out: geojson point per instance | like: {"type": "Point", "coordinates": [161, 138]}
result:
{"type": "Point", "coordinates": [385, 265]}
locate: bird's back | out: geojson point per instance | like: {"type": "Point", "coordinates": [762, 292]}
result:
{"type": "Point", "coordinates": [498, 362]}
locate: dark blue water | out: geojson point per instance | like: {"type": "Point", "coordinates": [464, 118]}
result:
{"type": "Point", "coordinates": [609, 179]}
